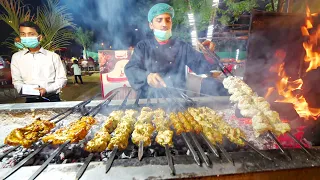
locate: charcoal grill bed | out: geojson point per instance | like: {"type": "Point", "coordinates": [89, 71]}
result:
{"type": "Point", "coordinates": [246, 162]}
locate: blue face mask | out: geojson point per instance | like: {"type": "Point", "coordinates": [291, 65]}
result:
{"type": "Point", "coordinates": [30, 42]}
{"type": "Point", "coordinates": [162, 35]}
{"type": "Point", "coordinates": [19, 45]}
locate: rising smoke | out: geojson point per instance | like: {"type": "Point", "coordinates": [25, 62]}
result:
{"type": "Point", "coordinates": [117, 23]}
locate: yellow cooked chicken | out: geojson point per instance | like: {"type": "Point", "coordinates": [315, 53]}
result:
{"type": "Point", "coordinates": [143, 128]}
{"type": "Point", "coordinates": [123, 130]}
{"type": "Point", "coordinates": [176, 124]}
{"type": "Point", "coordinates": [29, 134]}
{"type": "Point", "coordinates": [165, 137]}
{"type": "Point", "coordinates": [187, 126]}
{"type": "Point", "coordinates": [196, 126]}
{"type": "Point", "coordinates": [99, 143]}
{"type": "Point", "coordinates": [214, 126]}
{"type": "Point", "coordinates": [101, 139]}
{"type": "Point", "coordinates": [74, 132]}
{"type": "Point", "coordinates": [164, 134]}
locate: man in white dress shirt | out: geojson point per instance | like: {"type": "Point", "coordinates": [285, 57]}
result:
{"type": "Point", "coordinates": [37, 66]}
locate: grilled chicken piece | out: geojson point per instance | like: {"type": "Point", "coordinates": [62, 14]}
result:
{"type": "Point", "coordinates": [123, 130]}
{"type": "Point", "coordinates": [74, 132]}
{"type": "Point", "coordinates": [101, 139]}
{"type": "Point", "coordinates": [142, 132]}
{"type": "Point", "coordinates": [176, 124]}
{"type": "Point", "coordinates": [143, 128]}
{"type": "Point", "coordinates": [187, 126]}
{"type": "Point", "coordinates": [165, 137]}
{"type": "Point", "coordinates": [255, 107]}
{"type": "Point", "coordinates": [29, 134]}
{"type": "Point", "coordinates": [214, 126]}
{"type": "Point", "coordinates": [112, 121]}
{"type": "Point", "coordinates": [196, 126]}
{"type": "Point", "coordinates": [164, 134]}
{"type": "Point", "coordinates": [99, 143]}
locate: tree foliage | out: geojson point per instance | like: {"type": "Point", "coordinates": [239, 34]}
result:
{"type": "Point", "coordinates": [52, 18]}
{"type": "Point", "coordinates": [84, 38]}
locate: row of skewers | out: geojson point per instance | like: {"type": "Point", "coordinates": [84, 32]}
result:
{"type": "Point", "coordinates": [121, 124]}
{"type": "Point", "coordinates": [42, 133]}
{"type": "Point", "coordinates": [116, 130]}
{"type": "Point", "coordinates": [264, 120]}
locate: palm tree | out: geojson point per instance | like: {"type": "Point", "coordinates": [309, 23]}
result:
{"type": "Point", "coordinates": [84, 38]}
{"type": "Point", "coordinates": [52, 18]}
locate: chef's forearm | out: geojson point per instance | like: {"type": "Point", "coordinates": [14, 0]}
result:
{"type": "Point", "coordinates": [137, 77]}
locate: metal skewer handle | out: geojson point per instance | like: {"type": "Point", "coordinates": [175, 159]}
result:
{"type": "Point", "coordinates": [211, 147]}
{"type": "Point", "coordinates": [287, 155]}
{"type": "Point", "coordinates": [46, 163]}
{"type": "Point", "coordinates": [140, 150]}
{"type": "Point", "coordinates": [111, 159]}
{"type": "Point", "coordinates": [170, 161]}
{"type": "Point", "coordinates": [203, 155]}
{"type": "Point", "coordinates": [84, 166]}
{"type": "Point", "coordinates": [193, 152]}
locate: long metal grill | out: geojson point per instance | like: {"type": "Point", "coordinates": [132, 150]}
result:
{"type": "Point", "coordinates": [195, 143]}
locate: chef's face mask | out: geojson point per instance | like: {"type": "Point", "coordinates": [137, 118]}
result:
{"type": "Point", "coordinates": [30, 42]}
{"type": "Point", "coordinates": [19, 45]}
{"type": "Point", "coordinates": [162, 35]}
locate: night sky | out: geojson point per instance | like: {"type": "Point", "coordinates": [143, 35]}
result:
{"type": "Point", "coordinates": [114, 22]}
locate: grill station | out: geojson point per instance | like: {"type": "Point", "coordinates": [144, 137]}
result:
{"type": "Point", "coordinates": [191, 156]}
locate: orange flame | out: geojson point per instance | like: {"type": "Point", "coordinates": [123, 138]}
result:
{"type": "Point", "coordinates": [291, 90]}
{"type": "Point", "coordinates": [312, 56]}
{"type": "Point", "coordinates": [270, 90]}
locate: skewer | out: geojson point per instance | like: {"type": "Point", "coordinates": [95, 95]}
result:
{"type": "Point", "coordinates": [88, 160]}
{"type": "Point", "coordinates": [140, 150]}
{"type": "Point", "coordinates": [46, 163]}
{"type": "Point", "coordinates": [193, 152]}
{"type": "Point", "coordinates": [21, 163]}
{"type": "Point", "coordinates": [211, 147]}
{"type": "Point", "coordinates": [170, 161]}
{"type": "Point", "coordinates": [288, 156]}
{"type": "Point", "coordinates": [214, 151]}
{"type": "Point", "coordinates": [225, 153]}
{"type": "Point", "coordinates": [216, 58]}
{"type": "Point", "coordinates": [43, 166]}
{"type": "Point", "coordinates": [111, 159]}
{"type": "Point", "coordinates": [68, 111]}
{"type": "Point", "coordinates": [84, 166]}
{"type": "Point", "coordinates": [83, 103]}
{"type": "Point", "coordinates": [203, 155]}
{"type": "Point", "coordinates": [255, 149]}
{"type": "Point", "coordinates": [185, 138]}
{"type": "Point", "coordinates": [301, 145]}
{"type": "Point", "coordinates": [9, 151]}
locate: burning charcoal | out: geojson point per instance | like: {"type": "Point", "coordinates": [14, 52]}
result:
{"type": "Point", "coordinates": [151, 151]}
{"type": "Point", "coordinates": [134, 153]}
{"type": "Point", "coordinates": [188, 152]}
{"type": "Point", "coordinates": [174, 152]}
{"type": "Point", "coordinates": [104, 156]}
{"type": "Point", "coordinates": [62, 156]}
{"type": "Point", "coordinates": [124, 156]}
{"type": "Point", "coordinates": [30, 162]}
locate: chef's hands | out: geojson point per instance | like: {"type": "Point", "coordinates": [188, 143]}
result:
{"type": "Point", "coordinates": [42, 91]}
{"type": "Point", "coordinates": [155, 80]}
{"type": "Point", "coordinates": [209, 44]}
